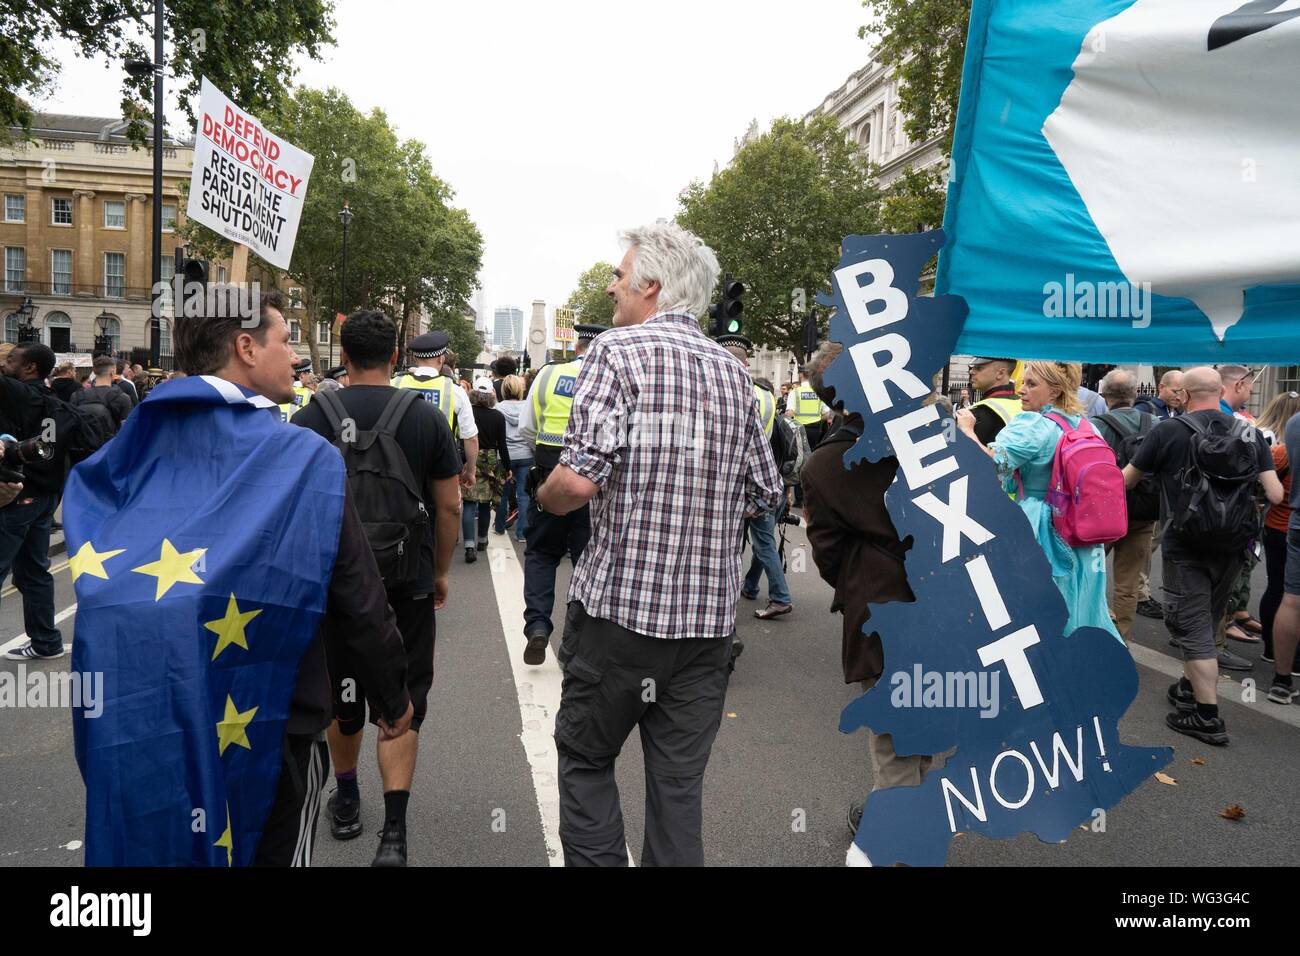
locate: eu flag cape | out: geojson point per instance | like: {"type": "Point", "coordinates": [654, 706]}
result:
{"type": "Point", "coordinates": [1124, 183]}
{"type": "Point", "coordinates": [202, 540]}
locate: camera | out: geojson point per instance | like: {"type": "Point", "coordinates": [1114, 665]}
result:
{"type": "Point", "coordinates": [789, 518]}
{"type": "Point", "coordinates": [14, 454]}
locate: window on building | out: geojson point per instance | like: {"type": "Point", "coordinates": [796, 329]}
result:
{"type": "Point", "coordinates": [15, 268]}
{"type": "Point", "coordinates": [323, 332]}
{"type": "Point", "coordinates": [115, 274]}
{"type": "Point", "coordinates": [165, 341]}
{"type": "Point", "coordinates": [168, 271]}
{"type": "Point", "coordinates": [169, 217]}
{"type": "Point", "coordinates": [114, 214]}
{"type": "Point", "coordinates": [61, 271]}
{"type": "Point", "coordinates": [61, 211]}
{"type": "Point", "coordinates": [11, 329]}
{"type": "Point", "coordinates": [1288, 378]}
{"type": "Point", "coordinates": [15, 207]}
{"type": "Point", "coordinates": [295, 331]}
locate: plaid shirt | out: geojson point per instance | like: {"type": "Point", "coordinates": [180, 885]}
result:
{"type": "Point", "coordinates": [664, 422]}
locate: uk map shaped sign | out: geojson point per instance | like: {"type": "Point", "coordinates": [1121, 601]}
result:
{"type": "Point", "coordinates": [1049, 756]}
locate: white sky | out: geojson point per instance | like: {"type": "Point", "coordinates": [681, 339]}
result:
{"type": "Point", "coordinates": [560, 123]}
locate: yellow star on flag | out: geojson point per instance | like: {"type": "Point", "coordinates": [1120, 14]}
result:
{"type": "Point", "coordinates": [227, 841]}
{"type": "Point", "coordinates": [230, 629]}
{"type": "Point", "coordinates": [172, 567]}
{"type": "Point", "coordinates": [233, 727]}
{"type": "Point", "coordinates": [89, 561]}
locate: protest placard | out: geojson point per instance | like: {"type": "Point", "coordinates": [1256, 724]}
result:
{"type": "Point", "coordinates": [247, 183]}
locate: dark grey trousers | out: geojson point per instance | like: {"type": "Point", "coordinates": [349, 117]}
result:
{"type": "Point", "coordinates": [614, 680]}
{"type": "Point", "coordinates": [1197, 588]}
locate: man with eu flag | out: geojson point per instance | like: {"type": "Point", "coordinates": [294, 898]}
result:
{"type": "Point", "coordinates": [202, 576]}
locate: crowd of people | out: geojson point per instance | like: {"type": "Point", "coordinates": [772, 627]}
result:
{"type": "Point", "coordinates": [595, 458]}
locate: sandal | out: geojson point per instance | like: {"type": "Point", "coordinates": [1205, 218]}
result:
{"type": "Point", "coordinates": [1249, 623]}
{"type": "Point", "coordinates": [773, 611]}
{"type": "Point", "coordinates": [1240, 635]}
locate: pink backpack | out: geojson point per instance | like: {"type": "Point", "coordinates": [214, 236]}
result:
{"type": "Point", "coordinates": [1087, 490]}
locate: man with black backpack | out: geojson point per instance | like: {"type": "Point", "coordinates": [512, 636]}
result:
{"type": "Point", "coordinates": [103, 400]}
{"type": "Point", "coordinates": [1207, 464]}
{"type": "Point", "coordinates": [403, 466]}
{"type": "Point", "coordinates": [1124, 429]}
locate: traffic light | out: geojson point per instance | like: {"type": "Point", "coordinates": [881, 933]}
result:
{"type": "Point", "coordinates": [727, 310]}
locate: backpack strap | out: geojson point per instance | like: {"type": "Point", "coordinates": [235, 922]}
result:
{"type": "Point", "coordinates": [1060, 420]}
{"type": "Point", "coordinates": [394, 411]}
{"type": "Point", "coordinates": [332, 406]}
{"type": "Point", "coordinates": [1121, 430]}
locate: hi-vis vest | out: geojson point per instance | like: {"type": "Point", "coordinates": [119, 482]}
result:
{"type": "Point", "coordinates": [807, 406]}
{"type": "Point", "coordinates": [553, 400]}
{"type": "Point", "coordinates": [1005, 408]}
{"type": "Point", "coordinates": [437, 391]}
{"type": "Point", "coordinates": [301, 396]}
{"type": "Point", "coordinates": [766, 403]}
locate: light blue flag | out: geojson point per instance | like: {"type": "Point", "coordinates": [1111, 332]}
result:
{"type": "Point", "coordinates": [1125, 181]}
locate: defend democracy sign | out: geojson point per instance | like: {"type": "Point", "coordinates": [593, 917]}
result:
{"type": "Point", "coordinates": [247, 183]}
{"type": "Point", "coordinates": [1047, 756]}
{"type": "Point", "coordinates": [1124, 184]}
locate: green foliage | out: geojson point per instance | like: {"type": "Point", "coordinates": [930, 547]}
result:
{"type": "Point", "coordinates": [914, 202]}
{"type": "Point", "coordinates": [924, 43]}
{"type": "Point", "coordinates": [589, 298]}
{"type": "Point", "coordinates": [247, 49]}
{"type": "Point", "coordinates": [776, 215]}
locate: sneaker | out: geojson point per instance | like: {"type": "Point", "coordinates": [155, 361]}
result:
{"type": "Point", "coordinates": [1194, 725]}
{"type": "Point", "coordinates": [345, 817]}
{"type": "Point", "coordinates": [749, 597]}
{"type": "Point", "coordinates": [392, 847]}
{"type": "Point", "coordinates": [1230, 661]}
{"type": "Point", "coordinates": [1283, 693]}
{"type": "Point", "coordinates": [535, 652]}
{"type": "Point", "coordinates": [737, 648]}
{"type": "Point", "coordinates": [29, 653]}
{"type": "Point", "coordinates": [855, 818]}
{"type": "Point", "coordinates": [1184, 700]}
{"type": "Point", "coordinates": [482, 544]}
{"type": "Point", "coordinates": [471, 555]}
{"type": "Point", "coordinates": [1152, 609]}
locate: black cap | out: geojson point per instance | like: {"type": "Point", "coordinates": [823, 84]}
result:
{"type": "Point", "coordinates": [589, 330]}
{"type": "Point", "coordinates": [302, 366]}
{"type": "Point", "coordinates": [984, 360]}
{"type": "Point", "coordinates": [735, 338]}
{"type": "Point", "coordinates": [337, 372]}
{"type": "Point", "coordinates": [428, 345]}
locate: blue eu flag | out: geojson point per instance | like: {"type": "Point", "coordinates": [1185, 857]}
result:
{"type": "Point", "coordinates": [202, 540]}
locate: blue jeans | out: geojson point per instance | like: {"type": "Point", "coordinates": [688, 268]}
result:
{"type": "Point", "coordinates": [550, 537]}
{"type": "Point", "coordinates": [25, 550]}
{"type": "Point", "coordinates": [514, 494]}
{"type": "Point", "coordinates": [474, 517]}
{"type": "Point", "coordinates": [762, 541]}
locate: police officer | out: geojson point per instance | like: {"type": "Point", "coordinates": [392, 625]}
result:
{"type": "Point", "coordinates": [803, 405]}
{"type": "Point", "coordinates": [542, 421]}
{"type": "Point", "coordinates": [428, 352]}
{"type": "Point", "coordinates": [339, 373]}
{"type": "Point", "coordinates": [302, 392]}
{"type": "Point", "coordinates": [741, 347]}
{"type": "Point", "coordinates": [999, 404]}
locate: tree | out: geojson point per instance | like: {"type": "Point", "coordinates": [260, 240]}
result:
{"type": "Point", "coordinates": [924, 43]}
{"type": "Point", "coordinates": [409, 250]}
{"type": "Point", "coordinates": [247, 49]}
{"type": "Point", "coordinates": [589, 298]}
{"type": "Point", "coordinates": [776, 217]}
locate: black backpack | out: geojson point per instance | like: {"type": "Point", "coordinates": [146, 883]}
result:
{"type": "Point", "coordinates": [1216, 509]}
{"type": "Point", "coordinates": [383, 488]}
{"type": "Point", "coordinates": [785, 447]}
{"type": "Point", "coordinates": [81, 429]}
{"type": "Point", "coordinates": [93, 402]}
{"type": "Point", "coordinates": [1143, 499]}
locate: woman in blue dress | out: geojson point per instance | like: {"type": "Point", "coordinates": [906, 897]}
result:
{"type": "Point", "coordinates": [1024, 450]}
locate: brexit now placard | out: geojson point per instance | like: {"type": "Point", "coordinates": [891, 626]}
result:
{"type": "Point", "coordinates": [980, 667]}
{"type": "Point", "coordinates": [247, 183]}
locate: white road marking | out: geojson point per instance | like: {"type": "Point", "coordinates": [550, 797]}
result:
{"type": "Point", "coordinates": [538, 689]}
{"type": "Point", "coordinates": [54, 570]}
{"type": "Point", "coordinates": [1173, 668]}
{"type": "Point", "coordinates": [59, 618]}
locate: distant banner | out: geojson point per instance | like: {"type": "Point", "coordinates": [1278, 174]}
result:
{"type": "Point", "coordinates": [247, 184]}
{"type": "Point", "coordinates": [1124, 181]}
{"type": "Point", "coordinates": [564, 325]}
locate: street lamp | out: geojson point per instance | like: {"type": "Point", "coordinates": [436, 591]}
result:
{"type": "Point", "coordinates": [25, 314]}
{"type": "Point", "coordinates": [103, 341]}
{"type": "Point", "coordinates": [141, 68]}
{"type": "Point", "coordinates": [345, 217]}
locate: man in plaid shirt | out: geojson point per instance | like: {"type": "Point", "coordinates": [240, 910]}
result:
{"type": "Point", "coordinates": [665, 441]}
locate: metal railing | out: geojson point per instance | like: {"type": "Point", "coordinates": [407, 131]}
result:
{"type": "Point", "coordinates": [93, 290]}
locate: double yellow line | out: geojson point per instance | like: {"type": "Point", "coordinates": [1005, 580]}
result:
{"type": "Point", "coordinates": [13, 590]}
